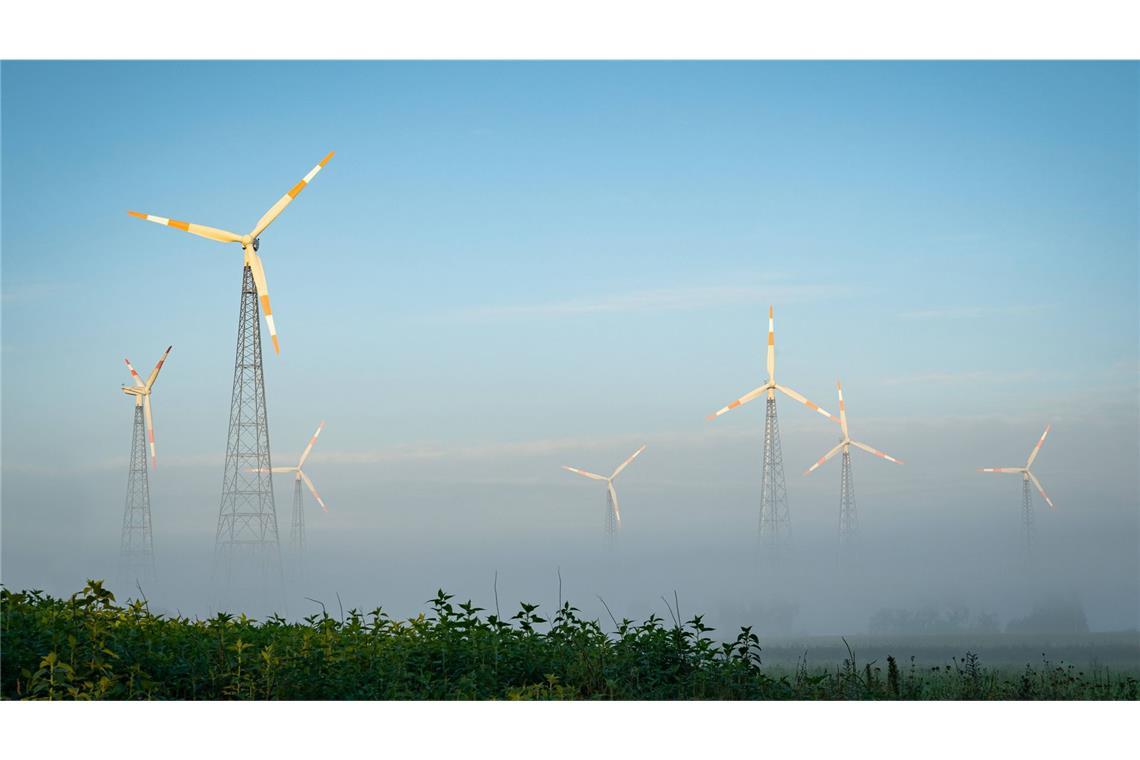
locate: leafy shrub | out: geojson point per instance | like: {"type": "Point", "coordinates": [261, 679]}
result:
{"type": "Point", "coordinates": [90, 647]}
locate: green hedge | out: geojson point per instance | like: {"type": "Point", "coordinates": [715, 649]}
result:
{"type": "Point", "coordinates": [90, 647]}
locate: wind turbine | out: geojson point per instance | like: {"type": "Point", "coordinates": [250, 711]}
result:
{"type": "Point", "coordinates": [297, 534]}
{"type": "Point", "coordinates": [136, 546]}
{"type": "Point", "coordinates": [250, 243]}
{"type": "Point", "coordinates": [141, 392]}
{"type": "Point", "coordinates": [848, 520]}
{"type": "Point", "coordinates": [613, 511]}
{"type": "Point", "coordinates": [247, 533]}
{"type": "Point", "coordinates": [1026, 476]}
{"type": "Point", "coordinates": [773, 492]}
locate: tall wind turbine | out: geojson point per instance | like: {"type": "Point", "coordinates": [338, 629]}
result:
{"type": "Point", "coordinates": [613, 511]}
{"type": "Point", "coordinates": [297, 533]}
{"type": "Point", "coordinates": [1026, 476]}
{"type": "Point", "coordinates": [848, 519]}
{"type": "Point", "coordinates": [247, 516]}
{"type": "Point", "coordinates": [774, 519]}
{"type": "Point", "coordinates": [136, 547]}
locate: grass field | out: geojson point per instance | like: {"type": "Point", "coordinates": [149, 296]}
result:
{"type": "Point", "coordinates": [90, 647]}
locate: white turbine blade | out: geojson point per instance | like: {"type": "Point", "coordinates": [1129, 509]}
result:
{"type": "Point", "coordinates": [1037, 448]}
{"type": "Point", "coordinates": [771, 344]}
{"type": "Point", "coordinates": [262, 286]}
{"type": "Point", "coordinates": [312, 488]}
{"type": "Point", "coordinates": [614, 501]}
{"type": "Point", "coordinates": [824, 458]}
{"type": "Point", "coordinates": [304, 455]}
{"type": "Point", "coordinates": [1010, 470]}
{"type": "Point", "coordinates": [154, 373]}
{"type": "Point", "coordinates": [876, 452]}
{"type": "Point", "coordinates": [809, 404]}
{"type": "Point", "coordinates": [583, 473]}
{"type": "Point", "coordinates": [623, 465]}
{"type": "Point", "coordinates": [213, 233]}
{"type": "Point", "coordinates": [150, 431]}
{"type": "Point", "coordinates": [842, 410]}
{"type": "Point", "coordinates": [1044, 495]}
{"type": "Point", "coordinates": [134, 375]}
{"type": "Point", "coordinates": [287, 198]}
{"type": "Point", "coordinates": [740, 401]}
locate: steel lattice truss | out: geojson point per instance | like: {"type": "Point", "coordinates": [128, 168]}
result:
{"type": "Point", "coordinates": [848, 517]}
{"type": "Point", "coordinates": [774, 519]}
{"type": "Point", "coordinates": [136, 552]}
{"type": "Point", "coordinates": [247, 537]}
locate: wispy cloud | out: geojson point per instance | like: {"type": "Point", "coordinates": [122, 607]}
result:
{"type": "Point", "coordinates": [664, 299]}
{"type": "Point", "coordinates": [969, 312]}
{"type": "Point", "coordinates": [964, 376]}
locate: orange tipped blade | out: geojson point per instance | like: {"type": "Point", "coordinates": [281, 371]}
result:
{"type": "Point", "coordinates": [624, 464]}
{"type": "Point", "coordinates": [313, 489]}
{"type": "Point", "coordinates": [1041, 490]}
{"type": "Point", "coordinates": [583, 473]}
{"type": "Point", "coordinates": [154, 373]}
{"type": "Point", "coordinates": [201, 230]}
{"type": "Point", "coordinates": [614, 503]}
{"type": "Point", "coordinates": [740, 401]}
{"type": "Point", "coordinates": [824, 458]}
{"type": "Point", "coordinates": [876, 452]}
{"type": "Point", "coordinates": [771, 345]}
{"type": "Point", "coordinates": [262, 285]}
{"type": "Point", "coordinates": [150, 432]}
{"type": "Point", "coordinates": [1037, 448]}
{"type": "Point", "coordinates": [842, 409]}
{"type": "Point", "coordinates": [809, 404]}
{"type": "Point", "coordinates": [288, 197]}
{"type": "Point", "coordinates": [135, 375]}
{"type": "Point", "coordinates": [305, 453]}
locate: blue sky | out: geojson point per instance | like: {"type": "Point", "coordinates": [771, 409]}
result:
{"type": "Point", "coordinates": [507, 261]}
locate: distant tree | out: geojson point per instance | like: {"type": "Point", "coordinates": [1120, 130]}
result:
{"type": "Point", "coordinates": [1052, 615]}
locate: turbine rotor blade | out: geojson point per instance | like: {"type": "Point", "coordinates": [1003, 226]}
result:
{"type": "Point", "coordinates": [287, 198]}
{"type": "Point", "coordinates": [270, 469]}
{"type": "Point", "coordinates": [583, 473]}
{"type": "Point", "coordinates": [809, 404]}
{"type": "Point", "coordinates": [623, 465]}
{"type": "Point", "coordinates": [1044, 495]}
{"type": "Point", "coordinates": [771, 345]}
{"type": "Point", "coordinates": [824, 458]}
{"type": "Point", "coordinates": [614, 503]}
{"type": "Point", "coordinates": [1011, 470]}
{"type": "Point", "coordinates": [1037, 448]}
{"type": "Point", "coordinates": [201, 230]}
{"type": "Point", "coordinates": [876, 452]}
{"type": "Point", "coordinates": [262, 286]}
{"type": "Point", "coordinates": [150, 431]}
{"type": "Point", "coordinates": [312, 488]}
{"type": "Point", "coordinates": [135, 375]}
{"type": "Point", "coordinates": [842, 410]}
{"type": "Point", "coordinates": [154, 373]}
{"type": "Point", "coordinates": [740, 401]}
{"type": "Point", "coordinates": [305, 453]}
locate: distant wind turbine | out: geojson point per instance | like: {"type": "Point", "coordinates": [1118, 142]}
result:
{"type": "Point", "coordinates": [613, 511]}
{"type": "Point", "coordinates": [1026, 476]}
{"type": "Point", "coordinates": [848, 519]}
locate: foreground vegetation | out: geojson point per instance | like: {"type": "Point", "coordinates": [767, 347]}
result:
{"type": "Point", "coordinates": [89, 647]}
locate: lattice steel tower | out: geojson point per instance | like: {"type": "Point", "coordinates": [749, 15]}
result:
{"type": "Point", "coordinates": [247, 553]}
{"type": "Point", "coordinates": [1026, 516]}
{"type": "Point", "coordinates": [136, 548]}
{"type": "Point", "coordinates": [775, 523]}
{"type": "Point", "coordinates": [848, 518]}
